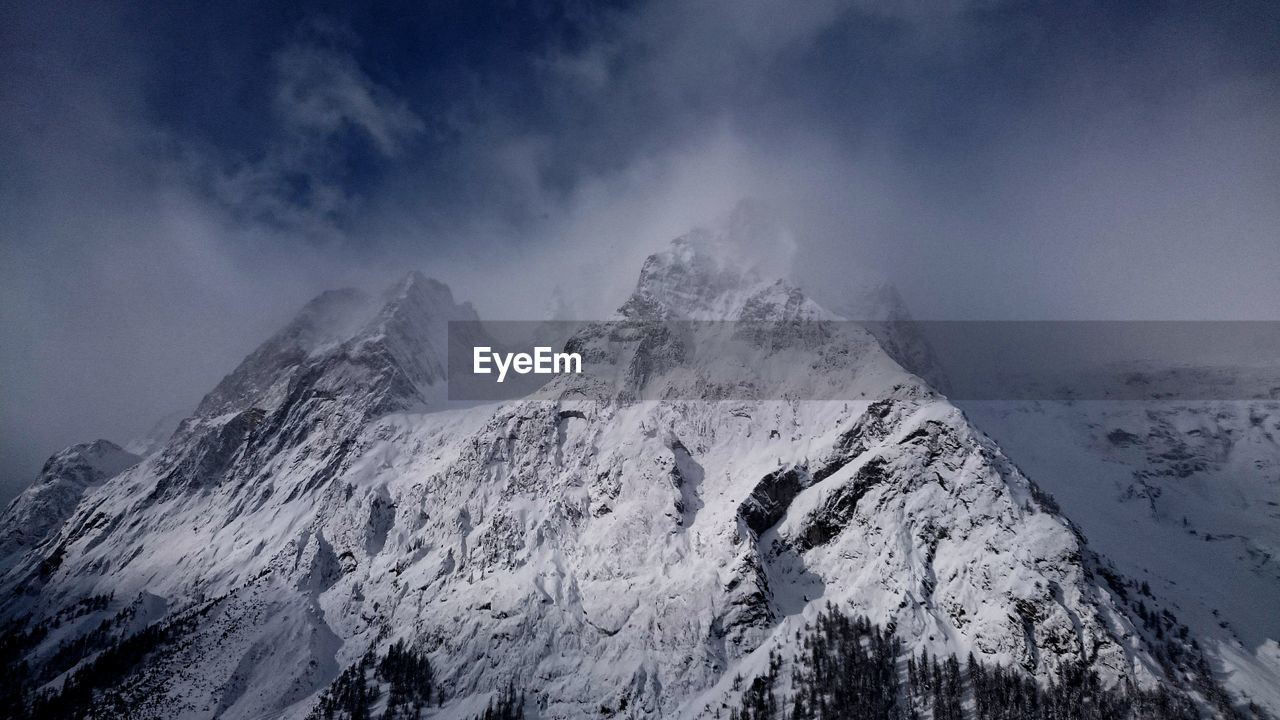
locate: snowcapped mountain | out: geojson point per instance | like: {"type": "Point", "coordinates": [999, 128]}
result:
{"type": "Point", "coordinates": [40, 511]}
{"type": "Point", "coordinates": [633, 545]}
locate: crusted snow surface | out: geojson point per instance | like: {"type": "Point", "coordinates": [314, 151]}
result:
{"type": "Point", "coordinates": [630, 542]}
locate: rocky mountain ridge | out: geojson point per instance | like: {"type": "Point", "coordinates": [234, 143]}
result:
{"type": "Point", "coordinates": [627, 549]}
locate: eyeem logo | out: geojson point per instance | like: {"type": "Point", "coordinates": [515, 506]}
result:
{"type": "Point", "coordinates": [542, 362]}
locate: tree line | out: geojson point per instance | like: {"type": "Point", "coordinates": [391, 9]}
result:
{"type": "Point", "coordinates": [848, 667]}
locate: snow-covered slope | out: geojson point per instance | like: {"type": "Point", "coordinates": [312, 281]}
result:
{"type": "Point", "coordinates": [612, 544]}
{"type": "Point", "coordinates": [1183, 495]}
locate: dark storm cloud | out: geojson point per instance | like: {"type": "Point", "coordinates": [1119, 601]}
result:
{"type": "Point", "coordinates": [176, 179]}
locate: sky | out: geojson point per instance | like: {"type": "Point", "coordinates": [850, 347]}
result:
{"type": "Point", "coordinates": [177, 179]}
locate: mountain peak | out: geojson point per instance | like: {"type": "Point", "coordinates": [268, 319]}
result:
{"type": "Point", "coordinates": [409, 318]}
{"type": "Point", "coordinates": [342, 362]}
{"type": "Point", "coordinates": [42, 509]}
{"type": "Point", "coordinates": [711, 272]}
{"type": "Point", "coordinates": [90, 462]}
{"type": "Point", "coordinates": [412, 328]}
{"type": "Point", "coordinates": [325, 322]}
{"type": "Point", "coordinates": [417, 297]}
{"type": "Point", "coordinates": [415, 283]}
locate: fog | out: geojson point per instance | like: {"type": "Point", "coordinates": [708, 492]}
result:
{"type": "Point", "coordinates": [175, 183]}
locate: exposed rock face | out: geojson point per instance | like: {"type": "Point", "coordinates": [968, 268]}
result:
{"type": "Point", "coordinates": [595, 547]}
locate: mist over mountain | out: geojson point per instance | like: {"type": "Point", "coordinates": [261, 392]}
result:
{"type": "Point", "coordinates": [176, 181]}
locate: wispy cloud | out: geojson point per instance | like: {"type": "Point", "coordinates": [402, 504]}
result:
{"type": "Point", "coordinates": [321, 91]}
{"type": "Point", "coordinates": [327, 115]}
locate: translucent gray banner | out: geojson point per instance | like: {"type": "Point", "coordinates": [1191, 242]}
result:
{"type": "Point", "coordinates": [813, 360]}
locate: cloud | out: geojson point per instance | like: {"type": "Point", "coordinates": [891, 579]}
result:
{"type": "Point", "coordinates": [321, 91]}
{"type": "Point", "coordinates": [137, 264]}
{"type": "Point", "coordinates": [168, 197]}
{"type": "Point", "coordinates": [328, 117]}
